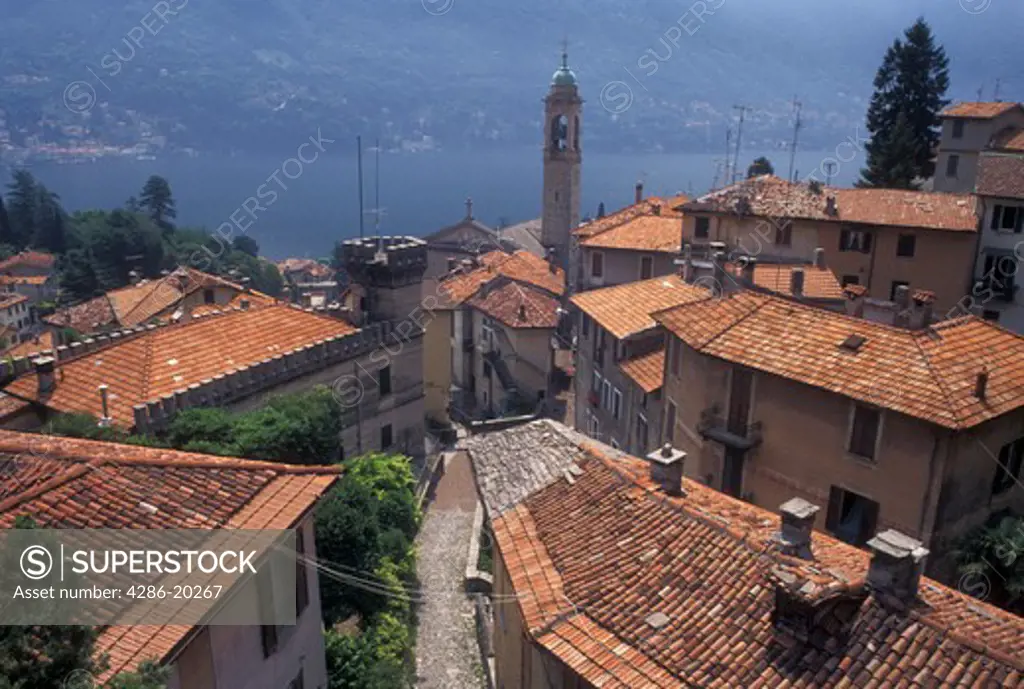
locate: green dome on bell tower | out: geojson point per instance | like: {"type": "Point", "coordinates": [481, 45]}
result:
{"type": "Point", "coordinates": [564, 76]}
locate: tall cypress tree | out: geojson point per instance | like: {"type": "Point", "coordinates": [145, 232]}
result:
{"type": "Point", "coordinates": [912, 83]}
{"type": "Point", "coordinates": [6, 235]}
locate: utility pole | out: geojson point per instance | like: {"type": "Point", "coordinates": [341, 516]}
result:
{"type": "Point", "coordinates": [377, 212]}
{"type": "Point", "coordinates": [359, 162]}
{"type": "Point", "coordinates": [728, 156]}
{"type": "Point", "coordinates": [739, 139]}
{"type": "Point", "coordinates": [829, 167]}
{"type": "Point", "coordinates": [981, 89]}
{"type": "Point", "coordinates": [995, 94]}
{"type": "Point", "coordinates": [797, 105]}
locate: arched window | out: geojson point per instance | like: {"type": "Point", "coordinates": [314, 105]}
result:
{"type": "Point", "coordinates": [559, 133]}
{"type": "Point", "coordinates": [576, 133]}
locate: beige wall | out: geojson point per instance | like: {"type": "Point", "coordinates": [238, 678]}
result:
{"type": "Point", "coordinates": [437, 365]}
{"type": "Point", "coordinates": [976, 136]}
{"type": "Point", "coordinates": [929, 482]}
{"type": "Point", "coordinates": [231, 657]}
{"type": "Point", "coordinates": [622, 266]}
{"type": "Point", "coordinates": [526, 353]}
{"type": "Point", "coordinates": [755, 236]}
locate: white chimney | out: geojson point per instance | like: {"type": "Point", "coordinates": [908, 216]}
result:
{"type": "Point", "coordinates": [105, 419]}
{"type": "Point", "coordinates": [819, 258]}
{"type": "Point", "coordinates": [667, 468]}
{"type": "Point", "coordinates": [44, 367]}
{"type": "Point", "coordinates": [797, 526]}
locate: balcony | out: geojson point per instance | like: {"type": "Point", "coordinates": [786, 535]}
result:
{"type": "Point", "coordinates": [714, 426]}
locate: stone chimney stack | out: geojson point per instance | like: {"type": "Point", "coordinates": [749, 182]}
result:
{"type": "Point", "coordinates": [831, 209]}
{"type": "Point", "coordinates": [638, 194]}
{"type": "Point", "coordinates": [903, 314]}
{"type": "Point", "coordinates": [981, 384]}
{"type": "Point", "coordinates": [897, 562]}
{"type": "Point", "coordinates": [105, 419]}
{"type": "Point", "coordinates": [921, 313]}
{"type": "Point", "coordinates": [44, 367]}
{"type": "Point", "coordinates": [819, 258]}
{"type": "Point", "coordinates": [797, 526]}
{"type": "Point", "coordinates": [667, 469]}
{"type": "Point", "coordinates": [686, 264]}
{"type": "Point", "coordinates": [855, 300]}
{"type": "Point", "coordinates": [452, 263]}
{"type": "Point", "coordinates": [748, 264]}
{"type": "Point", "coordinates": [796, 282]}
{"type": "Point", "coordinates": [243, 304]}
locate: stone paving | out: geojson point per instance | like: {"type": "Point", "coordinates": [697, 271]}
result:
{"type": "Point", "coordinates": [447, 656]}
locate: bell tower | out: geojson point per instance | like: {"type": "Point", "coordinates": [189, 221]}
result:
{"type": "Point", "coordinates": [562, 156]}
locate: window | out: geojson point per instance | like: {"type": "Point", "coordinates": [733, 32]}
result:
{"type": "Point", "coordinates": [952, 164]}
{"type": "Point", "coordinates": [301, 580]}
{"type": "Point", "coordinates": [851, 517]}
{"type": "Point", "coordinates": [646, 267]}
{"type": "Point", "coordinates": [593, 426]}
{"type": "Point", "coordinates": [1007, 219]}
{"type": "Point", "coordinates": [1000, 275]}
{"type": "Point", "coordinates": [1010, 458]}
{"type": "Point", "coordinates": [586, 325]}
{"type": "Point", "coordinates": [298, 682]}
{"type": "Point", "coordinates": [670, 422]}
{"type": "Point", "coordinates": [905, 245]}
{"type": "Point", "coordinates": [896, 284]}
{"type": "Point", "coordinates": [641, 433]}
{"type": "Point", "coordinates": [208, 296]}
{"type": "Point", "coordinates": [615, 443]}
{"type": "Point", "coordinates": [617, 404]}
{"type": "Point", "coordinates": [855, 240]}
{"type": "Point", "coordinates": [990, 315]}
{"type": "Point", "coordinates": [958, 129]}
{"type": "Point", "coordinates": [597, 265]}
{"type": "Point", "coordinates": [702, 229]}
{"type": "Point", "coordinates": [487, 370]}
{"type": "Point", "coordinates": [386, 436]}
{"type": "Point", "coordinates": [384, 380]}
{"type": "Point", "coordinates": [606, 394]}
{"type": "Point", "coordinates": [265, 595]}
{"type": "Point", "coordinates": [850, 280]}
{"type": "Point", "coordinates": [597, 381]}
{"type": "Point", "coordinates": [675, 346]}
{"type": "Point", "coordinates": [784, 234]}
{"type": "Point", "coordinates": [864, 431]}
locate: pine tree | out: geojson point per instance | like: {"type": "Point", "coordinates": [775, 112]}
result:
{"type": "Point", "coordinates": [912, 82]}
{"type": "Point", "coordinates": [760, 166]}
{"type": "Point", "coordinates": [50, 231]}
{"type": "Point", "coordinates": [22, 202]}
{"type": "Point", "coordinates": [6, 234]}
{"type": "Point", "coordinates": [892, 165]}
{"type": "Point", "coordinates": [156, 200]}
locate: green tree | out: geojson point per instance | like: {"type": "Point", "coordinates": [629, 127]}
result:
{"type": "Point", "coordinates": [760, 166]}
{"type": "Point", "coordinates": [117, 242]}
{"type": "Point", "coordinates": [6, 233]}
{"type": "Point", "coordinates": [50, 226]}
{"type": "Point", "coordinates": [911, 81]}
{"type": "Point", "coordinates": [994, 554]}
{"type": "Point", "coordinates": [247, 245]}
{"type": "Point", "coordinates": [22, 203]}
{"type": "Point", "coordinates": [77, 276]}
{"type": "Point", "coordinates": [157, 202]}
{"type": "Point", "coordinates": [892, 166]}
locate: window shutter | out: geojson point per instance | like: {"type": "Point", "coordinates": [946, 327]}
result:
{"type": "Point", "coordinates": [866, 247]}
{"type": "Point", "coordinates": [844, 239]}
{"type": "Point", "coordinates": [996, 212]}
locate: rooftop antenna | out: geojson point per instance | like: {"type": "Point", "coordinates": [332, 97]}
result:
{"type": "Point", "coordinates": [739, 139]}
{"type": "Point", "coordinates": [718, 169]}
{"type": "Point", "coordinates": [728, 155]}
{"type": "Point", "coordinates": [359, 158]}
{"type": "Point", "coordinates": [995, 93]}
{"type": "Point", "coordinates": [797, 106]}
{"type": "Point", "coordinates": [377, 212]}
{"type": "Point", "coordinates": [829, 167]}
{"type": "Point", "coordinates": [981, 89]}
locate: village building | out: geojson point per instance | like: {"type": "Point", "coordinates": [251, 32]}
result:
{"type": "Point", "coordinates": [879, 238]}
{"type": "Point", "coordinates": [968, 128]}
{"type": "Point", "coordinates": [310, 283]}
{"type": "Point", "coordinates": [31, 274]}
{"type": "Point", "coordinates": [616, 571]}
{"type": "Point", "coordinates": [915, 426]}
{"type": "Point", "coordinates": [62, 483]}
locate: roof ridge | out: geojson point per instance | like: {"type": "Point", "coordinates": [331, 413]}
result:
{"type": "Point", "coordinates": [39, 489]}
{"type": "Point", "coordinates": [732, 325]}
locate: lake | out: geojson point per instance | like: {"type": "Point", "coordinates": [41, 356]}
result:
{"type": "Point", "coordinates": [316, 204]}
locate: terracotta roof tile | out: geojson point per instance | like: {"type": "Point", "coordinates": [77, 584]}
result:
{"type": "Point", "coordinates": [518, 306]}
{"type": "Point", "coordinates": [591, 559]}
{"type": "Point", "coordinates": [646, 370]}
{"type": "Point", "coordinates": [1000, 175]}
{"type": "Point", "coordinates": [666, 208]}
{"type": "Point", "coordinates": [69, 483]}
{"type": "Point", "coordinates": [31, 259]}
{"type": "Point", "coordinates": [305, 265]}
{"type": "Point", "coordinates": [521, 266]}
{"type": "Point", "coordinates": [819, 283]}
{"type": "Point", "coordinates": [625, 310]}
{"type": "Point", "coordinates": [43, 342]}
{"type": "Point", "coordinates": [979, 110]}
{"type": "Point", "coordinates": [928, 374]}
{"type": "Point", "coordinates": [1009, 139]}
{"type": "Point", "coordinates": [768, 196]}
{"type": "Point", "coordinates": [8, 299]}
{"type": "Point", "coordinates": [642, 233]}
{"type": "Point", "coordinates": [35, 280]}
{"type": "Point", "coordinates": [150, 365]}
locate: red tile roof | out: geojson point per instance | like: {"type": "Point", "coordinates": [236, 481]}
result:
{"type": "Point", "coordinates": [143, 302]}
{"type": "Point", "coordinates": [1009, 139]}
{"type": "Point", "coordinates": [597, 552]}
{"type": "Point", "coordinates": [978, 110]}
{"type": "Point", "coordinates": [770, 197]}
{"type": "Point", "coordinates": [929, 374]}
{"type": "Point", "coordinates": [307, 265]}
{"type": "Point", "coordinates": [517, 306]}
{"type": "Point", "coordinates": [521, 266]}
{"type": "Point", "coordinates": [35, 280]}
{"type": "Point", "coordinates": [819, 283]}
{"type": "Point", "coordinates": [642, 233]}
{"type": "Point", "coordinates": [1000, 175]}
{"type": "Point", "coordinates": [625, 310]}
{"type": "Point", "coordinates": [9, 299]}
{"type": "Point", "coordinates": [150, 365]}
{"type": "Point", "coordinates": [45, 341]}
{"type": "Point", "coordinates": [70, 484]}
{"type": "Point", "coordinates": [653, 206]}
{"type": "Point", "coordinates": [32, 259]}
{"type": "Point", "coordinates": [646, 370]}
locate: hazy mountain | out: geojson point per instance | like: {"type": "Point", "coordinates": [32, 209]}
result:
{"type": "Point", "coordinates": [242, 74]}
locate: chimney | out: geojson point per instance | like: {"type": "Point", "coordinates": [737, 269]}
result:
{"type": "Point", "coordinates": [105, 419]}
{"type": "Point", "coordinates": [797, 525]}
{"type": "Point", "coordinates": [522, 312]}
{"type": "Point", "coordinates": [243, 304]}
{"type": "Point", "coordinates": [854, 300]}
{"type": "Point", "coordinates": [902, 297]}
{"type": "Point", "coordinates": [44, 367]}
{"type": "Point", "coordinates": [819, 258]}
{"type": "Point", "coordinates": [748, 264]}
{"type": "Point", "coordinates": [897, 561]}
{"type": "Point", "coordinates": [921, 314]}
{"type": "Point", "coordinates": [686, 264]}
{"type": "Point", "coordinates": [639, 192]}
{"type": "Point", "coordinates": [452, 264]}
{"type": "Point", "coordinates": [667, 469]}
{"type": "Point", "coordinates": [656, 209]}
{"type": "Point", "coordinates": [981, 384]}
{"type": "Point", "coordinates": [831, 209]}
{"type": "Point", "coordinates": [796, 282]}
